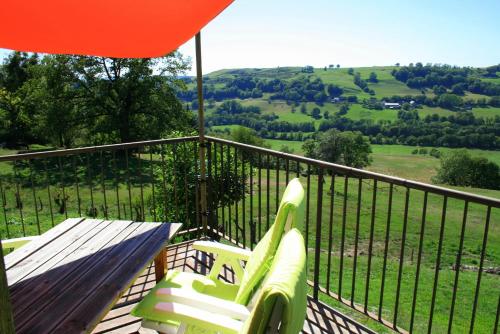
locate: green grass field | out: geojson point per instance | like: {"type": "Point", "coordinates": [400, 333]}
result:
{"type": "Point", "coordinates": [397, 160]}
{"type": "Point", "coordinates": [357, 227]}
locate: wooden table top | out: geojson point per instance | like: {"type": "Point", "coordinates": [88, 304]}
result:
{"type": "Point", "coordinates": [66, 280]}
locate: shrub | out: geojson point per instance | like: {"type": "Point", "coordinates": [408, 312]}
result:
{"type": "Point", "coordinates": [459, 168]}
{"type": "Point", "coordinates": [422, 151]}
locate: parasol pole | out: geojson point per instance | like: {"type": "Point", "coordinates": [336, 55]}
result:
{"type": "Point", "coordinates": [201, 129]}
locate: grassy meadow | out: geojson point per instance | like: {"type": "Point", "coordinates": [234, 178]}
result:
{"type": "Point", "coordinates": [121, 193]}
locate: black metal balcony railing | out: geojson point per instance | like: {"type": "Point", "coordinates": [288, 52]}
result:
{"type": "Point", "coordinates": [412, 256]}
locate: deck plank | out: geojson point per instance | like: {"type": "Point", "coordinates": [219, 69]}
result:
{"type": "Point", "coordinates": [53, 253]}
{"type": "Point", "coordinates": [53, 234]}
{"type": "Point", "coordinates": [60, 277]}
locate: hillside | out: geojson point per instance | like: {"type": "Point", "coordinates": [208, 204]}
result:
{"type": "Point", "coordinates": [387, 86]}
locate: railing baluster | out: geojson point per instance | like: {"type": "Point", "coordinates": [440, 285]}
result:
{"type": "Point", "coordinates": [252, 223]}
{"type": "Point", "coordinates": [268, 186]}
{"type": "Point", "coordinates": [342, 239]}
{"type": "Point", "coordinates": [278, 185]}
{"type": "Point", "coordinates": [243, 203]}
{"type": "Point", "coordinates": [287, 166]}
{"type": "Point", "coordinates": [77, 185]}
{"type": "Point", "coordinates": [319, 217]}
{"type": "Point", "coordinates": [4, 206]}
{"type": "Point", "coordinates": [458, 264]}
{"type": "Point", "coordinates": [356, 240]}
{"type": "Point", "coordinates": [386, 250]}
{"type": "Point", "coordinates": [308, 203]}
{"type": "Point", "coordinates": [212, 175]}
{"type": "Point", "coordinates": [164, 182]}
{"type": "Point", "coordinates": [152, 182]}
{"type": "Point", "coordinates": [330, 232]}
{"type": "Point", "coordinates": [438, 264]}
{"type": "Point", "coordinates": [34, 198]}
{"type": "Point", "coordinates": [419, 260]}
{"type": "Point", "coordinates": [260, 196]}
{"type": "Point", "coordinates": [47, 178]}
{"type": "Point", "coordinates": [141, 185]}
{"type": "Point", "coordinates": [64, 203]}
{"type": "Point", "coordinates": [103, 185]}
{"type": "Point", "coordinates": [229, 211]}
{"type": "Point", "coordinates": [480, 271]}
{"type": "Point", "coordinates": [370, 245]}
{"type": "Point", "coordinates": [237, 225]}
{"type": "Point", "coordinates": [222, 177]}
{"type": "Point", "coordinates": [19, 200]}
{"type": "Point", "coordinates": [186, 199]}
{"type": "Point", "coordinates": [197, 192]}
{"type": "Point", "coordinates": [176, 196]}
{"type": "Point", "coordinates": [116, 173]}
{"type": "Point", "coordinates": [401, 258]}
{"type": "Point", "coordinates": [127, 167]}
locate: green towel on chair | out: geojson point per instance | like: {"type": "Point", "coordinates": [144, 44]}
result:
{"type": "Point", "coordinates": [286, 284]}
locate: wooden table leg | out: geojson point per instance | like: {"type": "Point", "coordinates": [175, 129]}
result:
{"type": "Point", "coordinates": [160, 265]}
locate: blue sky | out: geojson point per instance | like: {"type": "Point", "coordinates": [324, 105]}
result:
{"type": "Point", "coordinates": [269, 33]}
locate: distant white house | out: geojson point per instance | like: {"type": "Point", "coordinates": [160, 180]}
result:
{"type": "Point", "coordinates": [392, 105]}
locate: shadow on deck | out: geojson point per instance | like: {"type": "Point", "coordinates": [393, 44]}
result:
{"type": "Point", "coordinates": [320, 317]}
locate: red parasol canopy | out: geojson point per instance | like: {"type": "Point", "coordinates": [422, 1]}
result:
{"type": "Point", "coordinates": [111, 28]}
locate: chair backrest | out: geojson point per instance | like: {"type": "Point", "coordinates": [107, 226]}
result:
{"type": "Point", "coordinates": [289, 213]}
{"type": "Point", "coordinates": [282, 299]}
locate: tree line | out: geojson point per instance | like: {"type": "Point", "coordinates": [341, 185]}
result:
{"type": "Point", "coordinates": [443, 78]}
{"type": "Point", "coordinates": [460, 130]}
{"type": "Point", "coordinates": [68, 101]}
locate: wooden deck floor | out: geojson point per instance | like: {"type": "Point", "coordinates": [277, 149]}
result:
{"type": "Point", "coordinates": [320, 317]}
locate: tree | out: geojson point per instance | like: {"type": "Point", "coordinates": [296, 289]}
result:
{"type": "Point", "coordinates": [459, 168]}
{"type": "Point", "coordinates": [458, 89]}
{"type": "Point", "coordinates": [178, 166]}
{"type": "Point", "coordinates": [348, 148]}
{"type": "Point", "coordinates": [373, 77]}
{"type": "Point", "coordinates": [303, 108]}
{"type": "Point", "coordinates": [16, 70]}
{"type": "Point", "coordinates": [316, 113]}
{"type": "Point", "coordinates": [450, 101]}
{"type": "Point", "coordinates": [50, 94]}
{"type": "Point", "coordinates": [16, 123]}
{"type": "Point", "coordinates": [350, 71]}
{"type": "Point", "coordinates": [246, 136]}
{"type": "Point", "coordinates": [334, 90]}
{"type": "Point", "coordinates": [338, 65]}
{"type": "Point", "coordinates": [130, 99]}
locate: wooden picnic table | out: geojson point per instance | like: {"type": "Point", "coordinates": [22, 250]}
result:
{"type": "Point", "coordinates": [66, 280]}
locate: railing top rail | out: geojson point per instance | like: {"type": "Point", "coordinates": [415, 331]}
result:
{"type": "Point", "coordinates": [90, 149]}
{"type": "Point", "coordinates": [367, 174]}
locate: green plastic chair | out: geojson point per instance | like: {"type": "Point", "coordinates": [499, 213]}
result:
{"type": "Point", "coordinates": [258, 261]}
{"type": "Point", "coordinates": [280, 302]}
{"type": "Point", "coordinates": [16, 242]}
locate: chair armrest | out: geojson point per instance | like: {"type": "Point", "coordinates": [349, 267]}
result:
{"type": "Point", "coordinates": [221, 249]}
{"type": "Point", "coordinates": [17, 242]}
{"type": "Point", "coordinates": [203, 302]}
{"type": "Point", "coordinates": [192, 315]}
